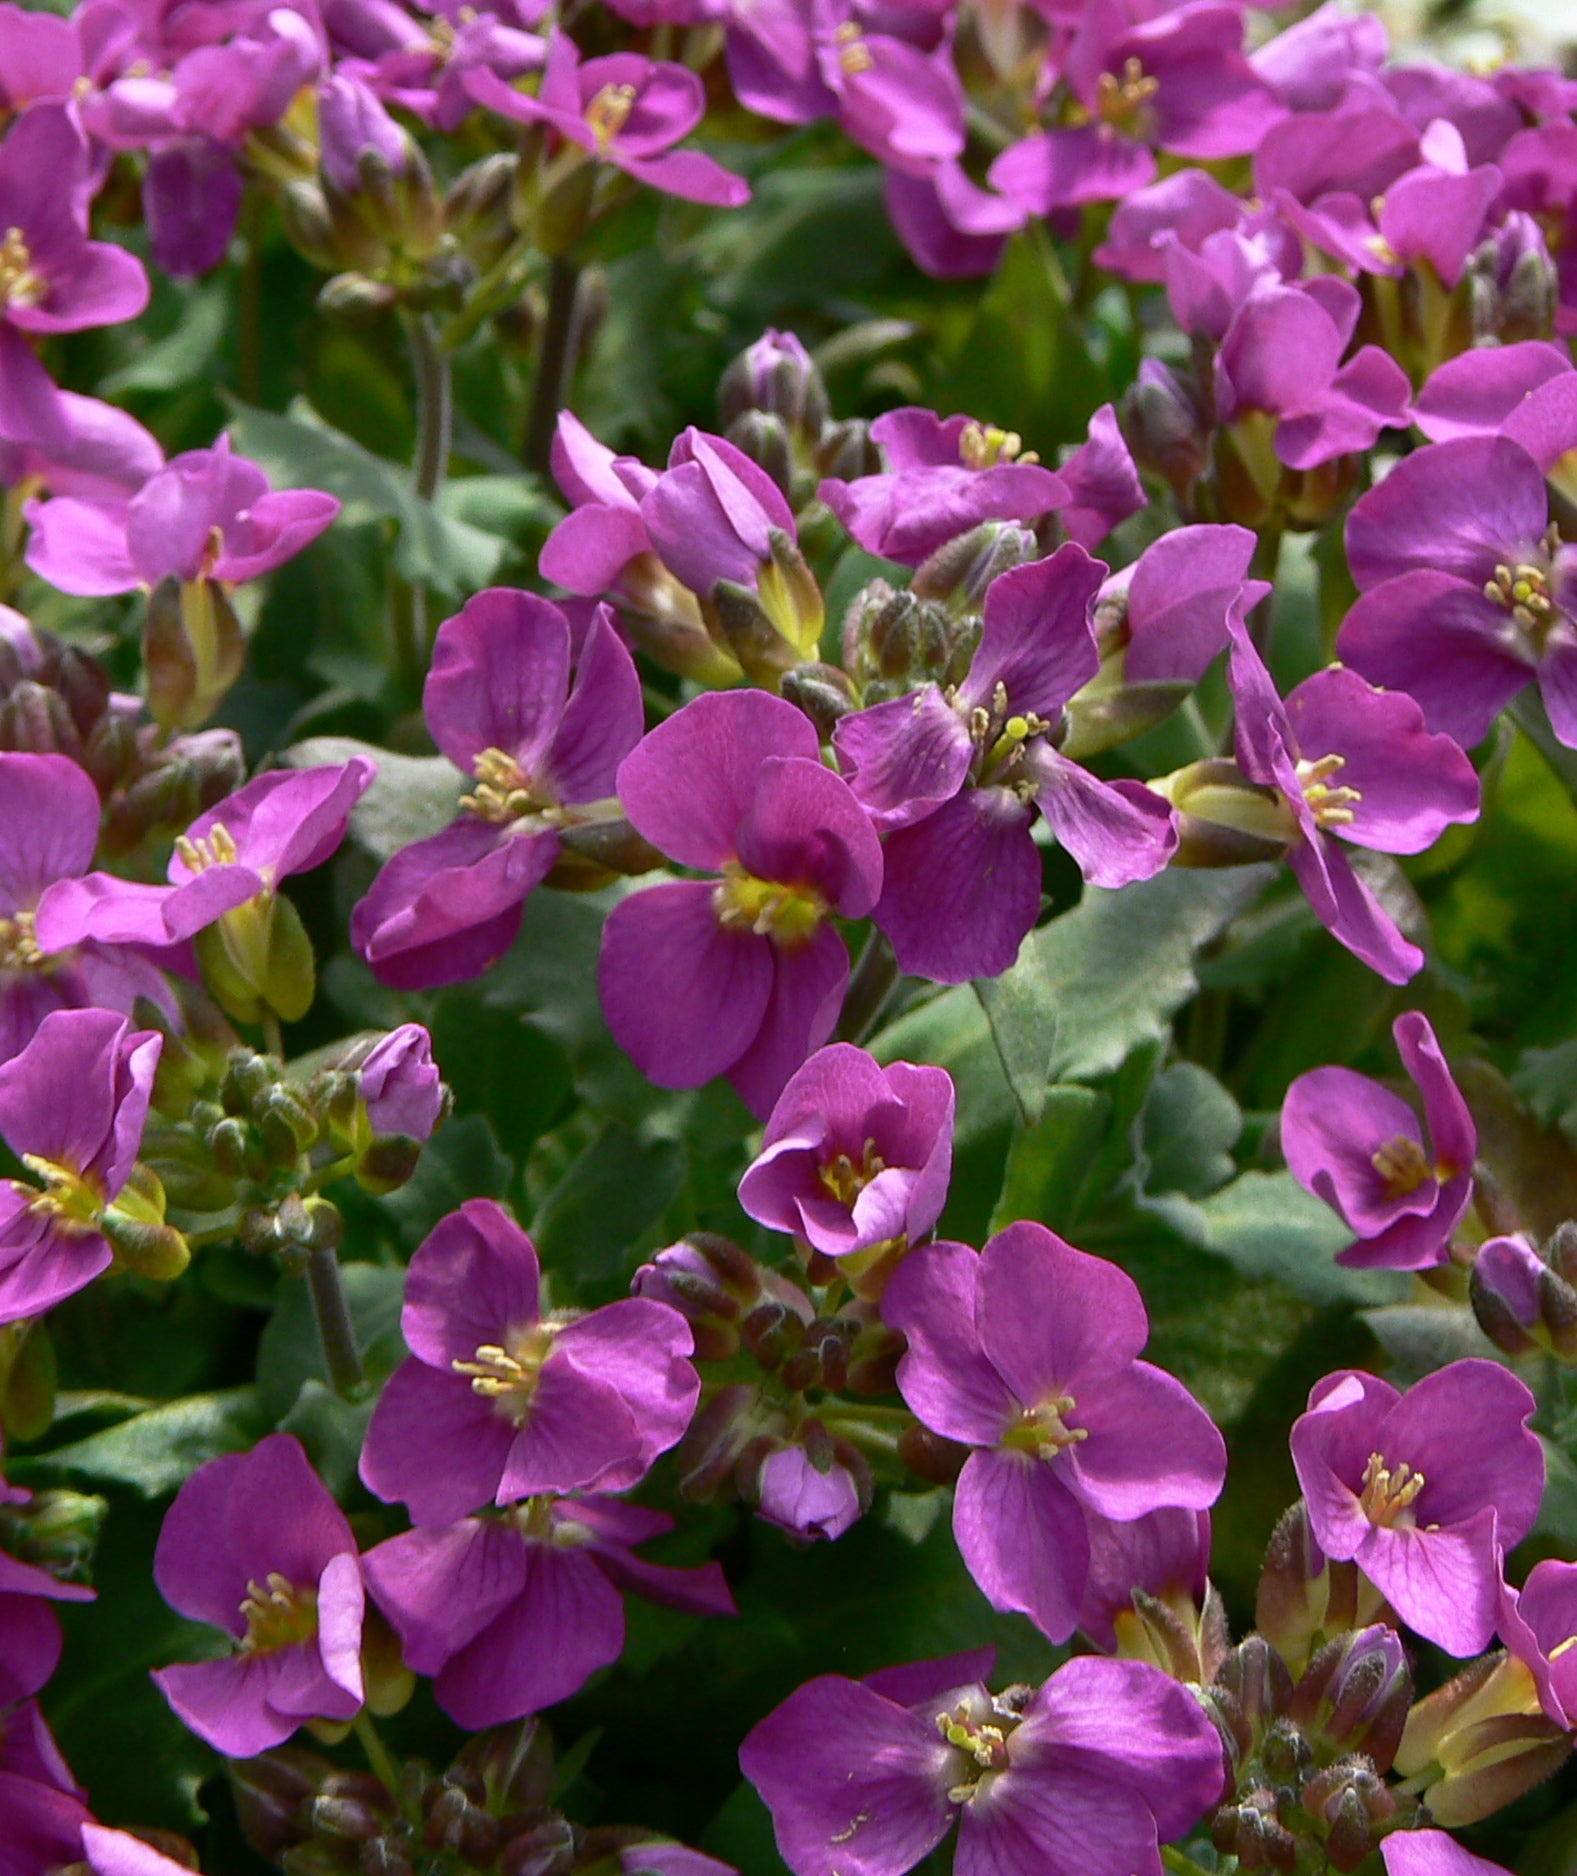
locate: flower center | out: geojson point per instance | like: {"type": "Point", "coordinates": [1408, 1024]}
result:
{"type": "Point", "coordinates": [1001, 739]}
{"type": "Point", "coordinates": [277, 1613]}
{"type": "Point", "coordinates": [979, 1727]}
{"type": "Point", "coordinates": [845, 1179]}
{"type": "Point", "coordinates": [19, 948]}
{"type": "Point", "coordinates": [1388, 1492]}
{"type": "Point", "coordinates": [1402, 1164]}
{"type": "Point", "coordinates": [72, 1201]}
{"type": "Point", "coordinates": [1522, 589]}
{"type": "Point", "coordinates": [1331, 806]}
{"type": "Point", "coordinates": [215, 848]}
{"type": "Point", "coordinates": [504, 792]}
{"type": "Point", "coordinates": [1043, 1430]}
{"type": "Point", "coordinates": [608, 112]}
{"type": "Point", "coordinates": [1121, 100]}
{"type": "Point", "coordinates": [19, 285]}
{"type": "Point", "coordinates": [983, 446]}
{"type": "Point", "coordinates": [508, 1376]}
{"type": "Point", "coordinates": [854, 55]}
{"type": "Point", "coordinates": [789, 915]}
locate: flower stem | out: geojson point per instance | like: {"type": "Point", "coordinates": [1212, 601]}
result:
{"type": "Point", "coordinates": [335, 1328]}
{"type": "Point", "coordinates": [869, 988]}
{"type": "Point", "coordinates": [554, 362]}
{"type": "Point", "coordinates": [434, 405]}
{"type": "Point", "coordinates": [273, 1036]}
{"type": "Point", "coordinates": [378, 1755]}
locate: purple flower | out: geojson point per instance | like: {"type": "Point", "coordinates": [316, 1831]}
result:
{"type": "Point", "coordinates": [1029, 1354]}
{"type": "Point", "coordinates": [1351, 764]}
{"type": "Point", "coordinates": [1467, 590]}
{"type": "Point", "coordinates": [208, 514]}
{"type": "Point", "coordinates": [72, 1108]}
{"type": "Point", "coordinates": [43, 1807]}
{"type": "Point", "coordinates": [1165, 1556]}
{"type": "Point", "coordinates": [234, 856]}
{"type": "Point", "coordinates": [625, 110]}
{"type": "Point", "coordinates": [401, 1085]}
{"type": "Point", "coordinates": [1424, 1490]}
{"type": "Point", "coordinates": [105, 451]}
{"type": "Point", "coordinates": [1184, 208]}
{"type": "Point", "coordinates": [512, 1614]}
{"type": "Point", "coordinates": [855, 1157]}
{"type": "Point", "coordinates": [1537, 1623]}
{"type": "Point", "coordinates": [1178, 82]}
{"type": "Point", "coordinates": [1311, 63]}
{"type": "Point", "coordinates": [808, 1499]}
{"type": "Point", "coordinates": [255, 1546]}
{"type": "Point", "coordinates": [953, 229]}
{"type": "Point", "coordinates": [955, 781]}
{"type": "Point", "coordinates": [49, 832]}
{"type": "Point", "coordinates": [29, 1631]}
{"type": "Point", "coordinates": [1282, 358]}
{"type": "Point", "coordinates": [943, 476]}
{"type": "Point", "coordinates": [1402, 1188]}
{"type": "Point", "coordinates": [1432, 1853]}
{"type": "Point", "coordinates": [1103, 482]}
{"type": "Point", "coordinates": [742, 975]}
{"type": "Point", "coordinates": [501, 705]}
{"type": "Point", "coordinates": [422, 65]}
{"type": "Point", "coordinates": [1079, 1777]}
{"type": "Point", "coordinates": [53, 279]}
{"type": "Point", "coordinates": [1526, 391]}
{"type": "Point", "coordinates": [498, 1402]}
{"type": "Point", "coordinates": [352, 124]}
{"type": "Point", "coordinates": [118, 1853]}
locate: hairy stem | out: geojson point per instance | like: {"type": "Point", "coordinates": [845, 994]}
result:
{"type": "Point", "coordinates": [378, 1755]}
{"type": "Point", "coordinates": [555, 358]}
{"type": "Point", "coordinates": [335, 1328]}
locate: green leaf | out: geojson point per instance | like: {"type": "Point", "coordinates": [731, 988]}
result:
{"type": "Point", "coordinates": [591, 1224]}
{"type": "Point", "coordinates": [300, 450]}
{"type": "Point", "coordinates": [332, 1430]}
{"type": "Point", "coordinates": [1267, 1227]}
{"type": "Point", "coordinates": [410, 798]}
{"type": "Point", "coordinates": [183, 356]}
{"type": "Point", "coordinates": [1189, 1129]}
{"type": "Point", "coordinates": [154, 1452]}
{"type": "Point", "coordinates": [1021, 1006]}
{"type": "Point", "coordinates": [1095, 983]}
{"type": "Point", "coordinates": [1049, 1163]}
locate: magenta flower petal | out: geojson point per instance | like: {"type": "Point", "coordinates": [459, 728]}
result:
{"type": "Point", "coordinates": [603, 719]}
{"type": "Point", "coordinates": [1024, 1827]}
{"type": "Point", "coordinates": [1432, 1853]}
{"type": "Point", "coordinates": [1022, 1536]}
{"type": "Point", "coordinates": [1098, 1323]}
{"type": "Point", "coordinates": [944, 1375]}
{"type": "Point", "coordinates": [905, 757]}
{"type": "Point", "coordinates": [716, 984]}
{"type": "Point", "coordinates": [641, 1348]}
{"type": "Point", "coordinates": [1117, 1473]}
{"type": "Point", "coordinates": [78, 544]}
{"type": "Point", "coordinates": [1037, 640]}
{"type": "Point", "coordinates": [51, 826]}
{"type": "Point", "coordinates": [499, 678]}
{"type": "Point", "coordinates": [1333, 1123]}
{"type": "Point", "coordinates": [475, 1272]}
{"type": "Point", "coordinates": [442, 1588]}
{"type": "Point", "coordinates": [1118, 832]}
{"type": "Point", "coordinates": [1451, 508]}
{"type": "Point", "coordinates": [1476, 392]}
{"type": "Point", "coordinates": [445, 909]}
{"type": "Point", "coordinates": [808, 986]}
{"type": "Point", "coordinates": [932, 906]}
{"type": "Point", "coordinates": [857, 1785]}
{"type": "Point", "coordinates": [803, 825]}
{"type": "Point", "coordinates": [716, 744]}
{"type": "Point", "coordinates": [438, 1449]}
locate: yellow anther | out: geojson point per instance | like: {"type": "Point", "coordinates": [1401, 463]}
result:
{"type": "Point", "coordinates": [70, 1200]}
{"type": "Point", "coordinates": [277, 1613]}
{"type": "Point", "coordinates": [854, 55]}
{"type": "Point", "coordinates": [1389, 1491]}
{"type": "Point", "coordinates": [1043, 1430]}
{"type": "Point", "coordinates": [845, 1179]}
{"type": "Point", "coordinates": [608, 112]}
{"type": "Point", "coordinates": [1402, 1164]}
{"type": "Point", "coordinates": [215, 848]}
{"type": "Point", "coordinates": [1120, 99]}
{"type": "Point", "coordinates": [790, 915]}
{"type": "Point", "coordinates": [19, 284]}
{"type": "Point", "coordinates": [1332, 807]}
{"type": "Point", "coordinates": [503, 792]}
{"type": "Point", "coordinates": [508, 1376]}
{"type": "Point", "coordinates": [19, 947]}
{"type": "Point", "coordinates": [983, 445]}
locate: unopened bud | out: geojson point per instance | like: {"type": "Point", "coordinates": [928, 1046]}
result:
{"type": "Point", "coordinates": [273, 1796]}
{"type": "Point", "coordinates": [1520, 1302]}
{"type": "Point", "coordinates": [1304, 1598]}
{"type": "Point", "coordinates": [765, 439]}
{"type": "Point", "coordinates": [1252, 1689]}
{"type": "Point", "coordinates": [1356, 1692]}
{"type": "Point", "coordinates": [258, 957]}
{"type": "Point", "coordinates": [847, 452]}
{"type": "Point", "coordinates": [712, 1282]}
{"type": "Point", "coordinates": [719, 1438]}
{"type": "Point", "coordinates": [135, 1229]}
{"type": "Point", "coordinates": [894, 640]}
{"type": "Point", "coordinates": [56, 1530]}
{"type": "Point", "coordinates": [1165, 429]}
{"type": "Point", "coordinates": [354, 298]}
{"type": "Point", "coordinates": [1480, 1742]}
{"type": "Point", "coordinates": [822, 693]}
{"type": "Point", "coordinates": [193, 650]}
{"type": "Point", "coordinates": [35, 721]}
{"type": "Point", "coordinates": [931, 1457]}
{"type": "Point", "coordinates": [1350, 1799]}
{"type": "Point", "coordinates": [545, 1849]}
{"type": "Point", "coordinates": [476, 208]}
{"type": "Point", "coordinates": [958, 574]}
{"type": "Point", "coordinates": [1251, 1831]}
{"type": "Point", "coordinates": [776, 375]}
{"type": "Point", "coordinates": [1224, 819]}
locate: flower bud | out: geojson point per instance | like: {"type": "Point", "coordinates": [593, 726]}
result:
{"type": "Point", "coordinates": [728, 1436]}
{"type": "Point", "coordinates": [545, 1849]}
{"type": "Point", "coordinates": [1520, 1302]}
{"type": "Point", "coordinates": [352, 299]}
{"type": "Point", "coordinates": [400, 1085]}
{"type": "Point", "coordinates": [388, 1682]}
{"type": "Point", "coordinates": [287, 1125]}
{"type": "Point", "coordinates": [764, 438]}
{"type": "Point", "coordinates": [1480, 1742]}
{"type": "Point", "coordinates": [27, 1379]}
{"type": "Point", "coordinates": [135, 1229]}
{"type": "Point", "coordinates": [1251, 1831]}
{"type": "Point", "coordinates": [893, 641]}
{"type": "Point", "coordinates": [595, 853]}
{"type": "Point", "coordinates": [1252, 1689]}
{"type": "Point", "coordinates": [36, 721]}
{"type": "Point", "coordinates": [847, 452]}
{"type": "Point", "coordinates": [815, 1486]}
{"type": "Point", "coordinates": [56, 1530]}
{"type": "Point", "coordinates": [1355, 1694]}
{"type": "Point", "coordinates": [1349, 1799]}
{"type": "Point", "coordinates": [193, 650]}
{"type": "Point", "coordinates": [273, 1795]}
{"type": "Point", "coordinates": [1165, 429]}
{"type": "Point", "coordinates": [476, 208]}
{"type": "Point", "coordinates": [1224, 819]}
{"type": "Point", "coordinates": [957, 574]}
{"type": "Point", "coordinates": [822, 692]}
{"type": "Point", "coordinates": [931, 1457]}
{"type": "Point", "coordinates": [513, 1765]}
{"type": "Point", "coordinates": [776, 376]}
{"type": "Point", "coordinates": [1304, 1598]}
{"type": "Point", "coordinates": [712, 1282]}
{"type": "Point", "coordinates": [258, 957]}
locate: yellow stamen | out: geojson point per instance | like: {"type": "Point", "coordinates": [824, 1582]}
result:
{"type": "Point", "coordinates": [508, 1376]}
{"type": "Point", "coordinates": [791, 915]}
{"type": "Point", "coordinates": [1043, 1430]}
{"type": "Point", "coordinates": [608, 112]}
{"type": "Point", "coordinates": [19, 284]}
{"type": "Point", "coordinates": [1402, 1164]}
{"type": "Point", "coordinates": [845, 1179]}
{"type": "Point", "coordinates": [1331, 806]}
{"type": "Point", "coordinates": [854, 55]}
{"type": "Point", "coordinates": [504, 791]}
{"type": "Point", "coordinates": [1389, 1491]}
{"type": "Point", "coordinates": [215, 848]}
{"type": "Point", "coordinates": [278, 1612]}
{"type": "Point", "coordinates": [19, 947]}
{"type": "Point", "coordinates": [983, 446]}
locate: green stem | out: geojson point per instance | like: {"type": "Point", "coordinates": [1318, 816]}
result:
{"type": "Point", "coordinates": [869, 988]}
{"type": "Point", "coordinates": [1531, 717]}
{"type": "Point", "coordinates": [1180, 1863]}
{"type": "Point", "coordinates": [378, 1755]}
{"type": "Point", "coordinates": [555, 363]}
{"type": "Point", "coordinates": [434, 405]}
{"type": "Point", "coordinates": [337, 1332]}
{"type": "Point", "coordinates": [326, 1175]}
{"type": "Point", "coordinates": [273, 1036]}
